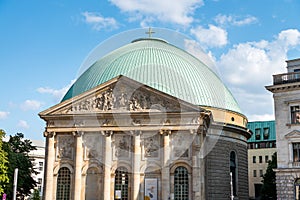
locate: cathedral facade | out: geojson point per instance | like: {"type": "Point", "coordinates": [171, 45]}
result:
{"type": "Point", "coordinates": [146, 121]}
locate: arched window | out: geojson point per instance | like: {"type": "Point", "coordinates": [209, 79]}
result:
{"type": "Point", "coordinates": [181, 184]}
{"type": "Point", "coordinates": [93, 184]}
{"type": "Point", "coordinates": [297, 189]}
{"type": "Point", "coordinates": [233, 172]}
{"type": "Point", "coordinates": [121, 184]}
{"type": "Point", "coordinates": [63, 184]}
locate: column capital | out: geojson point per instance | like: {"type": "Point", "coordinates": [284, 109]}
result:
{"type": "Point", "coordinates": [49, 134]}
{"type": "Point", "coordinates": [107, 133]}
{"type": "Point", "coordinates": [78, 133]}
{"type": "Point", "coordinates": [136, 132]}
{"type": "Point", "coordinates": [165, 132]}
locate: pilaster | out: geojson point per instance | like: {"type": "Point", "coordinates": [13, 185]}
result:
{"type": "Point", "coordinates": [136, 165]}
{"type": "Point", "coordinates": [48, 192]}
{"type": "Point", "coordinates": [165, 168]}
{"type": "Point", "coordinates": [107, 165]}
{"type": "Point", "coordinates": [78, 165]}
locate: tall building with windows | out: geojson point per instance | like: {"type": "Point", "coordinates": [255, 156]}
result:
{"type": "Point", "coordinates": [38, 159]}
{"type": "Point", "coordinates": [146, 121]}
{"type": "Point", "coordinates": [286, 94]}
{"type": "Point", "coordinates": [261, 147]}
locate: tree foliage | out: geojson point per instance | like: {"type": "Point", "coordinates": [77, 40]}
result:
{"type": "Point", "coordinates": [3, 164]}
{"type": "Point", "coordinates": [36, 195]}
{"type": "Point", "coordinates": [18, 149]}
{"type": "Point", "coordinates": [268, 190]}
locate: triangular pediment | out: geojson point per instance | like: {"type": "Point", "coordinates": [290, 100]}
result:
{"type": "Point", "coordinates": [120, 95]}
{"type": "Point", "coordinates": [293, 134]}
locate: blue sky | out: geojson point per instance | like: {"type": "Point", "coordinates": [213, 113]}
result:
{"type": "Point", "coordinates": [44, 43]}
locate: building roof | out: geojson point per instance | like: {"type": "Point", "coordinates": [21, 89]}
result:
{"type": "Point", "coordinates": [260, 126]}
{"type": "Point", "coordinates": [160, 65]}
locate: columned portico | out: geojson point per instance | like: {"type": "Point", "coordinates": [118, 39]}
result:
{"type": "Point", "coordinates": [147, 146]}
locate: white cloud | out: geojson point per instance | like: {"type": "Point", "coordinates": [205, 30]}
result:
{"type": "Point", "coordinates": [212, 37]}
{"type": "Point", "coordinates": [234, 20]}
{"type": "Point", "coordinates": [23, 124]}
{"type": "Point", "coordinates": [174, 11]}
{"type": "Point", "coordinates": [31, 105]}
{"type": "Point", "coordinates": [56, 93]}
{"type": "Point", "coordinates": [253, 63]}
{"type": "Point", "coordinates": [254, 101]}
{"type": "Point", "coordinates": [3, 115]}
{"type": "Point", "coordinates": [250, 66]}
{"type": "Point", "coordinates": [290, 37]}
{"type": "Point", "coordinates": [99, 22]}
{"type": "Point", "coordinates": [265, 117]}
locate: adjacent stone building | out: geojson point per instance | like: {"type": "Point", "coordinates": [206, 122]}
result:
{"type": "Point", "coordinates": [146, 121]}
{"type": "Point", "coordinates": [38, 158]}
{"type": "Point", "coordinates": [286, 93]}
{"type": "Point", "coordinates": [261, 147]}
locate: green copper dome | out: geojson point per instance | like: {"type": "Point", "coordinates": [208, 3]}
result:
{"type": "Point", "coordinates": [162, 66]}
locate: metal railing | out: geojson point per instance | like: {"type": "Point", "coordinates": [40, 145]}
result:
{"type": "Point", "coordinates": [291, 77]}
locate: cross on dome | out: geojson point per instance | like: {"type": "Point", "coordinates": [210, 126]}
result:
{"type": "Point", "coordinates": [149, 32]}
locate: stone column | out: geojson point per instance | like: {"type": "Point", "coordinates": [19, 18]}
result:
{"type": "Point", "coordinates": [136, 166]}
{"type": "Point", "coordinates": [107, 165]}
{"type": "Point", "coordinates": [198, 170]}
{"type": "Point", "coordinates": [48, 191]}
{"type": "Point", "coordinates": [78, 165]}
{"type": "Point", "coordinates": [165, 169]}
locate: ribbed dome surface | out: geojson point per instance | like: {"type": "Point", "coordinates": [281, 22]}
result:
{"type": "Point", "coordinates": [162, 66]}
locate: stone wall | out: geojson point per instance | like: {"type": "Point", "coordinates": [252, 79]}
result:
{"type": "Point", "coordinates": [285, 179]}
{"type": "Point", "coordinates": [218, 170]}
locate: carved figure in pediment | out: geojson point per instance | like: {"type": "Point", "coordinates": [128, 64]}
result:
{"type": "Point", "coordinates": [108, 97]}
{"type": "Point", "coordinates": [99, 103]}
{"type": "Point", "coordinates": [121, 101]}
{"type": "Point", "coordinates": [144, 102]}
{"type": "Point", "coordinates": [65, 147]}
{"type": "Point", "coordinates": [122, 146]}
{"type": "Point", "coordinates": [134, 104]}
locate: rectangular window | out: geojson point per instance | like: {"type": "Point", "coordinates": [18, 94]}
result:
{"type": "Point", "coordinates": [41, 166]}
{"type": "Point", "coordinates": [257, 133]}
{"type": "Point", "coordinates": [296, 152]}
{"type": "Point", "coordinates": [266, 159]}
{"type": "Point", "coordinates": [261, 172]}
{"type": "Point", "coordinates": [254, 173]}
{"type": "Point", "coordinates": [254, 159]}
{"type": "Point", "coordinates": [266, 133]}
{"type": "Point", "coordinates": [260, 159]}
{"type": "Point", "coordinates": [295, 114]}
{"type": "Point", "coordinates": [39, 181]}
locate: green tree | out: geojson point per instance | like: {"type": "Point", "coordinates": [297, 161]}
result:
{"type": "Point", "coordinates": [3, 164]}
{"type": "Point", "coordinates": [18, 149]}
{"type": "Point", "coordinates": [268, 190]}
{"type": "Point", "coordinates": [36, 195]}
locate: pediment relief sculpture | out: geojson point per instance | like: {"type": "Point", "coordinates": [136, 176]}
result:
{"type": "Point", "coordinates": [127, 99]}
